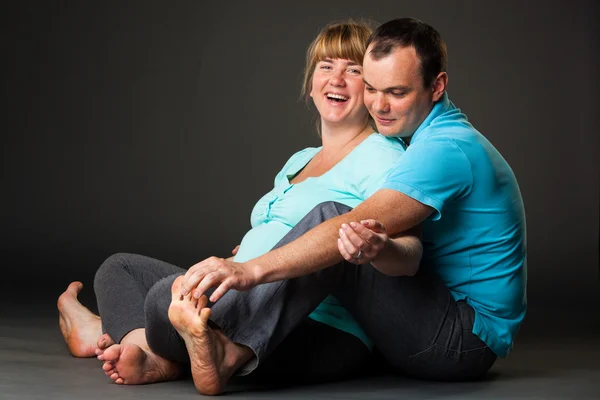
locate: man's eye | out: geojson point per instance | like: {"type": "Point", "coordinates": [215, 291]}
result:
{"type": "Point", "coordinates": [370, 89]}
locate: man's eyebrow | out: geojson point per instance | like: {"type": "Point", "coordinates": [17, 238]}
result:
{"type": "Point", "coordinates": [389, 89]}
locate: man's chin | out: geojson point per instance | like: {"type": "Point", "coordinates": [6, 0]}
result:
{"type": "Point", "coordinates": [387, 131]}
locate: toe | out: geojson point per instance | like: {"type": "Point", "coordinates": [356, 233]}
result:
{"type": "Point", "coordinates": [204, 315]}
{"type": "Point", "coordinates": [75, 287]}
{"type": "Point", "coordinates": [176, 287]}
{"type": "Point", "coordinates": [112, 353]}
{"type": "Point", "coordinates": [202, 302]}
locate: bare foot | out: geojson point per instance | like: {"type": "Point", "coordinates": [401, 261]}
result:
{"type": "Point", "coordinates": [130, 364]}
{"type": "Point", "coordinates": [214, 358]}
{"type": "Point", "coordinates": [104, 342]}
{"type": "Point", "coordinates": [79, 326]}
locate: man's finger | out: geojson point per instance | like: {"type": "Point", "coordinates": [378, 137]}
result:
{"type": "Point", "coordinates": [220, 291]}
{"type": "Point", "coordinates": [192, 281]}
{"type": "Point", "coordinates": [207, 282]}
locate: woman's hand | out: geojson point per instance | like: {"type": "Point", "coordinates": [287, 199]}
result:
{"type": "Point", "coordinates": [360, 243]}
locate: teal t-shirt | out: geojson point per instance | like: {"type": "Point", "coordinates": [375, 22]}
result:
{"type": "Point", "coordinates": [475, 240]}
{"type": "Point", "coordinates": [351, 181]}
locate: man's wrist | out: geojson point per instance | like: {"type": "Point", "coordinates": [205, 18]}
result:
{"type": "Point", "coordinates": [256, 272]}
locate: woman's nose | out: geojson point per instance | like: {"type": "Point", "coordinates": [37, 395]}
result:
{"type": "Point", "coordinates": [337, 79]}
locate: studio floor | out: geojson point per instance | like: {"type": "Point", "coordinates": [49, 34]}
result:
{"type": "Point", "coordinates": [557, 356]}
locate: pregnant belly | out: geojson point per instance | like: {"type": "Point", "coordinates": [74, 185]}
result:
{"type": "Point", "coordinates": [260, 240]}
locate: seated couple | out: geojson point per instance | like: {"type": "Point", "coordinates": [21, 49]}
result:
{"type": "Point", "coordinates": [408, 243]}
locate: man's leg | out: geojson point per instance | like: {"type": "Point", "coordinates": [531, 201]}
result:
{"type": "Point", "coordinates": [414, 321]}
{"type": "Point", "coordinates": [416, 324]}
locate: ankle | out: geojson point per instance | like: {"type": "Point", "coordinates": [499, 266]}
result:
{"type": "Point", "coordinates": [235, 355]}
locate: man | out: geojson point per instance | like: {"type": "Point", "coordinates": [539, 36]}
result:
{"type": "Point", "coordinates": [447, 318]}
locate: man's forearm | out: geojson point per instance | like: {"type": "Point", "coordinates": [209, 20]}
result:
{"type": "Point", "coordinates": [313, 251]}
{"type": "Point", "coordinates": [317, 249]}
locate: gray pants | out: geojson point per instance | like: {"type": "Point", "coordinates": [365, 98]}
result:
{"type": "Point", "coordinates": [416, 324]}
{"type": "Point", "coordinates": [414, 321]}
{"type": "Point", "coordinates": [133, 291]}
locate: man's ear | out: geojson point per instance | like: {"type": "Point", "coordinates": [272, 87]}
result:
{"type": "Point", "coordinates": [439, 86]}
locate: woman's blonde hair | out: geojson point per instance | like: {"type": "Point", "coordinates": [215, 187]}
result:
{"type": "Point", "coordinates": [346, 40]}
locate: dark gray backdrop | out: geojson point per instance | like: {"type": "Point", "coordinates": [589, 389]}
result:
{"type": "Point", "coordinates": [153, 127]}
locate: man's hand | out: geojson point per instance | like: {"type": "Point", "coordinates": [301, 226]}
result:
{"type": "Point", "coordinates": [220, 273]}
{"type": "Point", "coordinates": [360, 243]}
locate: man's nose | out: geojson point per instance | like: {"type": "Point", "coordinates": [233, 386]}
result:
{"type": "Point", "coordinates": [381, 104]}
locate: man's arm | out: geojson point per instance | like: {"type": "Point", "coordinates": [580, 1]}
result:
{"type": "Point", "coordinates": [400, 256]}
{"type": "Point", "coordinates": [317, 249]}
{"type": "Point", "coordinates": [313, 251]}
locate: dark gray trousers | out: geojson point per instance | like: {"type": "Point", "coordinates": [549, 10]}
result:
{"type": "Point", "coordinates": [416, 324]}
{"type": "Point", "coordinates": [133, 291]}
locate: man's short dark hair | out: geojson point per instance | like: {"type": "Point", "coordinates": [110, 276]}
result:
{"type": "Point", "coordinates": [406, 32]}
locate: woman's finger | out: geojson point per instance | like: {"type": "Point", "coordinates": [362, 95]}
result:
{"type": "Point", "coordinates": [348, 245]}
{"type": "Point", "coordinates": [374, 225]}
{"type": "Point", "coordinates": [343, 251]}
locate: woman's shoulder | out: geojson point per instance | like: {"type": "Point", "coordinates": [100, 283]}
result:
{"type": "Point", "coordinates": [380, 146]}
{"type": "Point", "coordinates": [379, 141]}
{"type": "Point", "coordinates": [303, 155]}
{"type": "Point", "coordinates": [297, 161]}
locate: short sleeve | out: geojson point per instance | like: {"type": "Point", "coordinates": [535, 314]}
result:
{"type": "Point", "coordinates": [434, 172]}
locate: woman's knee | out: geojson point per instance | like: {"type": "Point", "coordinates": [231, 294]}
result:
{"type": "Point", "coordinates": [322, 212]}
{"type": "Point", "coordinates": [330, 209]}
{"type": "Point", "coordinates": [106, 271]}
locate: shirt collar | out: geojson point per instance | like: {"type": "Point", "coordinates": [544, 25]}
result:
{"type": "Point", "coordinates": [439, 108]}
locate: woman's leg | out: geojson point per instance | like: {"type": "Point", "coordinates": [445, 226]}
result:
{"type": "Point", "coordinates": [121, 285]}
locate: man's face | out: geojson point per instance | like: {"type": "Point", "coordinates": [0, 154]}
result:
{"type": "Point", "coordinates": [394, 92]}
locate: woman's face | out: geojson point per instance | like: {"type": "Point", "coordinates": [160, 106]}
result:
{"type": "Point", "coordinates": [338, 90]}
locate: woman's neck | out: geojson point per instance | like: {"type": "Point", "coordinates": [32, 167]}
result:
{"type": "Point", "coordinates": [336, 138]}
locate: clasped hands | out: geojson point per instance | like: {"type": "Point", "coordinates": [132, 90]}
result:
{"type": "Point", "coordinates": [358, 243]}
{"type": "Point", "coordinates": [361, 242]}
